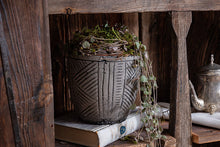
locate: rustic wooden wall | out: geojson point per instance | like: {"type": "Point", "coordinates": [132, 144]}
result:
{"type": "Point", "coordinates": [203, 40]}
{"type": "Point", "coordinates": [154, 29]}
{"type": "Point", "coordinates": [156, 32]}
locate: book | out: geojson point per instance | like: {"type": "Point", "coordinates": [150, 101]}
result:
{"type": "Point", "coordinates": [71, 129]}
{"type": "Point", "coordinates": [199, 118]}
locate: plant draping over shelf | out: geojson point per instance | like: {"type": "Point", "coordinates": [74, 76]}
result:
{"type": "Point", "coordinates": [118, 41]}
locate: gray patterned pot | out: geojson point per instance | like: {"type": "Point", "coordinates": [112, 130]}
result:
{"type": "Point", "coordinates": [103, 88]}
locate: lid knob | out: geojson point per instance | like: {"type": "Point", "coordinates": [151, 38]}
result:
{"type": "Point", "coordinates": [212, 59]}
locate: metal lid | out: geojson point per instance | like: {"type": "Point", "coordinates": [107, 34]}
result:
{"type": "Point", "coordinates": [211, 69]}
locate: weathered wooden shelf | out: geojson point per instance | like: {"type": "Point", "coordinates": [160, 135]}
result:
{"type": "Point", "coordinates": [123, 6]}
{"type": "Point", "coordinates": [201, 134]}
{"type": "Point", "coordinates": [25, 65]}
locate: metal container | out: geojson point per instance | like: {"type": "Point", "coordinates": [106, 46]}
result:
{"type": "Point", "coordinates": [103, 88]}
{"type": "Point", "coordinates": [208, 94]}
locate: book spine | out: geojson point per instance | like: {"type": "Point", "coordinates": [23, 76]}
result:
{"type": "Point", "coordinates": [116, 131]}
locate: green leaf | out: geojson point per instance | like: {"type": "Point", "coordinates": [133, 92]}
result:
{"type": "Point", "coordinates": [146, 105]}
{"type": "Point", "coordinates": [86, 44]}
{"type": "Point", "coordinates": [152, 78]}
{"type": "Point", "coordinates": [133, 106]}
{"type": "Point", "coordinates": [164, 137]}
{"type": "Point", "coordinates": [141, 63]}
{"type": "Point", "coordinates": [143, 88]}
{"type": "Point", "coordinates": [106, 25]}
{"type": "Point", "coordinates": [92, 39]}
{"type": "Point", "coordinates": [151, 128]}
{"type": "Point", "coordinates": [160, 129]}
{"type": "Point", "coordinates": [146, 92]}
{"type": "Point", "coordinates": [93, 50]}
{"type": "Point", "coordinates": [143, 47]}
{"type": "Point", "coordinates": [147, 129]}
{"type": "Point", "coordinates": [144, 79]}
{"type": "Point", "coordinates": [137, 45]}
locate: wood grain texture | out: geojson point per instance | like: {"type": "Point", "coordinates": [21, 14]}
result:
{"type": "Point", "coordinates": [203, 40]}
{"type": "Point", "coordinates": [201, 136]}
{"type": "Point", "coordinates": [114, 6]}
{"type": "Point", "coordinates": [214, 144]}
{"type": "Point", "coordinates": [204, 135]}
{"type": "Point", "coordinates": [180, 112]}
{"type": "Point", "coordinates": [25, 53]}
{"type": "Point", "coordinates": [8, 85]}
{"type": "Point", "coordinates": [6, 130]}
{"type": "Point", "coordinates": [132, 22]}
{"type": "Point", "coordinates": [156, 33]}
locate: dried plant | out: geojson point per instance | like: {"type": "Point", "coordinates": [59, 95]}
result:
{"type": "Point", "coordinates": [118, 41]}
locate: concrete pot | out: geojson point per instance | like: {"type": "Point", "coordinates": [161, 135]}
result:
{"type": "Point", "coordinates": [103, 88]}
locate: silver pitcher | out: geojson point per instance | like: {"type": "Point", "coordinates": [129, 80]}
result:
{"type": "Point", "coordinates": [208, 95]}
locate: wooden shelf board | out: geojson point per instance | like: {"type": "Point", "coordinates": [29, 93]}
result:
{"type": "Point", "coordinates": [125, 6]}
{"type": "Point", "coordinates": [201, 134]}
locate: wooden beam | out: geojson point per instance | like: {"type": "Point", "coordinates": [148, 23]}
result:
{"type": "Point", "coordinates": [26, 62]}
{"type": "Point", "coordinates": [180, 112]}
{"type": "Point", "coordinates": [123, 6]}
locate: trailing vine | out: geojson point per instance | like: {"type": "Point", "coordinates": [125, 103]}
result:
{"type": "Point", "coordinates": [118, 41]}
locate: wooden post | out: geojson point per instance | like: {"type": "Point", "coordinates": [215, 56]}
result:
{"type": "Point", "coordinates": [26, 62]}
{"type": "Point", "coordinates": [6, 130]}
{"type": "Point", "coordinates": [180, 112]}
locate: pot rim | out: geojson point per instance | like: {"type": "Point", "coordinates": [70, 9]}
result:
{"type": "Point", "coordinates": [105, 58]}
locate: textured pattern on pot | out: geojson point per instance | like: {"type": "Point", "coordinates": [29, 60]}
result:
{"type": "Point", "coordinates": [103, 89]}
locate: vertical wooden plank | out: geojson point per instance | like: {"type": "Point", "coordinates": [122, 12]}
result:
{"type": "Point", "coordinates": [6, 130]}
{"type": "Point", "coordinates": [180, 112]}
{"type": "Point", "coordinates": [131, 20]}
{"type": "Point", "coordinates": [25, 52]}
{"type": "Point", "coordinates": [46, 99]}
{"type": "Point", "coordinates": [149, 37]}
{"type": "Point", "coordinates": [203, 40]}
{"type": "Point", "coordinates": [57, 28]}
{"type": "Point", "coordinates": [8, 85]}
{"type": "Point", "coordinates": [146, 35]}
{"type": "Point", "coordinates": [156, 31]}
